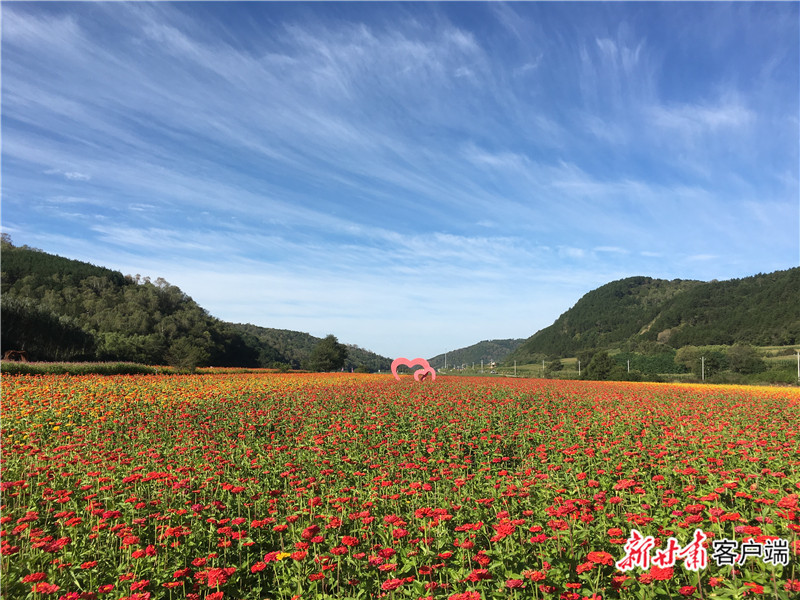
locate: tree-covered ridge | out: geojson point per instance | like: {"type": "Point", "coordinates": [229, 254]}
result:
{"type": "Point", "coordinates": [486, 351]}
{"type": "Point", "coordinates": [296, 347]}
{"type": "Point", "coordinates": [763, 310]}
{"type": "Point", "coordinates": [62, 309]}
{"type": "Point", "coordinates": [640, 312]}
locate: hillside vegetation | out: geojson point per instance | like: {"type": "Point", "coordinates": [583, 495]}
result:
{"type": "Point", "coordinates": [296, 347]}
{"type": "Point", "coordinates": [58, 309]}
{"type": "Point", "coordinates": [486, 351]}
{"type": "Point", "coordinates": [653, 315]}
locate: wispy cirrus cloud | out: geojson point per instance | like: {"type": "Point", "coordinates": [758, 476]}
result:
{"type": "Point", "coordinates": [71, 175]}
{"type": "Point", "coordinates": [436, 157]}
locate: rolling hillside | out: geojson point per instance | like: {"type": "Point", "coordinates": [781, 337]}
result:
{"type": "Point", "coordinates": [639, 312]}
{"type": "Point", "coordinates": [487, 350]}
{"type": "Point", "coordinates": [296, 346]}
{"type": "Point", "coordinates": [60, 309]}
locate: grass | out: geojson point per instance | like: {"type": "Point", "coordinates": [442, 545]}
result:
{"type": "Point", "coordinates": [110, 368]}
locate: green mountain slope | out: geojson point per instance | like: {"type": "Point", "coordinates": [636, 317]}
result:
{"type": "Point", "coordinates": [296, 346]}
{"type": "Point", "coordinates": [56, 308]}
{"type": "Point", "coordinates": [487, 351]}
{"type": "Point", "coordinates": [640, 311]}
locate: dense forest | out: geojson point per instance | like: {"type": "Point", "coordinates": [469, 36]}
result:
{"type": "Point", "coordinates": [295, 347]}
{"type": "Point", "coordinates": [58, 309]}
{"type": "Point", "coordinates": [654, 315]}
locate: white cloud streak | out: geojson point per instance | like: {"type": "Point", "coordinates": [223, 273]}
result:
{"type": "Point", "coordinates": [401, 158]}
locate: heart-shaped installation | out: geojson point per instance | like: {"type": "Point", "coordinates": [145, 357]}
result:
{"type": "Point", "coordinates": [419, 374]}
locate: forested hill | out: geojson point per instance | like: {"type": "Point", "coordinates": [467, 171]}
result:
{"type": "Point", "coordinates": [636, 312]}
{"type": "Point", "coordinates": [56, 308]}
{"type": "Point", "coordinates": [486, 351]}
{"type": "Point", "coordinates": [296, 347]}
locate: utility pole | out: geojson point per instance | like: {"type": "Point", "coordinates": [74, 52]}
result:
{"type": "Point", "coordinates": [703, 367]}
{"type": "Point", "coordinates": [629, 365]}
{"type": "Point", "coordinates": [481, 365]}
{"type": "Point", "coordinates": [579, 368]}
{"type": "Point", "coordinates": [515, 368]}
{"type": "Point", "coordinates": [445, 361]}
{"type": "Point", "coordinates": [542, 367]}
{"type": "Point", "coordinates": [798, 366]}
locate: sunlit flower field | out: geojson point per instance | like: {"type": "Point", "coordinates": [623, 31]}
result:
{"type": "Point", "coordinates": [252, 486]}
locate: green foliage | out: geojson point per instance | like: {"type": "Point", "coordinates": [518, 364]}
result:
{"type": "Point", "coordinates": [777, 374]}
{"type": "Point", "coordinates": [761, 310]}
{"type": "Point", "coordinates": [79, 368]}
{"type": "Point", "coordinates": [187, 354]}
{"type": "Point", "coordinates": [651, 364]}
{"type": "Point", "coordinates": [688, 356]}
{"type": "Point", "coordinates": [745, 359]}
{"type": "Point", "coordinates": [62, 309]}
{"type": "Point", "coordinates": [327, 355]}
{"type": "Point", "coordinates": [555, 365]}
{"type": "Point", "coordinates": [604, 318]}
{"type": "Point", "coordinates": [643, 314]}
{"type": "Point", "coordinates": [602, 367]}
{"type": "Point", "coordinates": [44, 335]}
{"type": "Point", "coordinates": [145, 349]}
{"type": "Point", "coordinates": [283, 346]}
{"type": "Point", "coordinates": [487, 351]}
{"type": "Point", "coordinates": [703, 359]}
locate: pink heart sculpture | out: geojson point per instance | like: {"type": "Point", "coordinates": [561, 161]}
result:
{"type": "Point", "coordinates": [419, 373]}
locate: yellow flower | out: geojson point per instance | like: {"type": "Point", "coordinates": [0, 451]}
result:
{"type": "Point", "coordinates": [283, 555]}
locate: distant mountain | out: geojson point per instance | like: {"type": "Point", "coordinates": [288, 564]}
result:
{"type": "Point", "coordinates": [57, 308]}
{"type": "Point", "coordinates": [488, 351]}
{"type": "Point", "coordinates": [296, 346]}
{"type": "Point", "coordinates": [640, 312]}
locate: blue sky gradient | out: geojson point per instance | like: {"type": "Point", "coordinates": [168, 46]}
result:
{"type": "Point", "coordinates": [411, 177]}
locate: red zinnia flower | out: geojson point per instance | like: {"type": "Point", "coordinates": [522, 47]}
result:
{"type": "Point", "coordinates": [754, 588]}
{"type": "Point", "coordinates": [349, 540]}
{"type": "Point", "coordinates": [391, 584]}
{"type": "Point", "coordinates": [479, 575]}
{"type": "Point", "coordinates": [259, 566]}
{"type": "Point", "coordinates": [792, 585]}
{"type": "Point", "coordinates": [45, 588]}
{"type": "Point", "coordinates": [660, 574]}
{"type": "Point", "coordinates": [584, 567]}
{"type": "Point", "coordinates": [466, 596]}
{"type": "Point", "coordinates": [603, 558]}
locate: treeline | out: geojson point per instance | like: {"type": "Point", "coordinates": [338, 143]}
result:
{"type": "Point", "coordinates": [740, 363]}
{"type": "Point", "coordinates": [296, 348]}
{"type": "Point", "coordinates": [58, 309]}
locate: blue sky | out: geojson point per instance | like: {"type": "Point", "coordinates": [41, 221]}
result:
{"type": "Point", "coordinates": [411, 177]}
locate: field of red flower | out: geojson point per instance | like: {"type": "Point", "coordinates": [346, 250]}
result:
{"type": "Point", "coordinates": [250, 486]}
